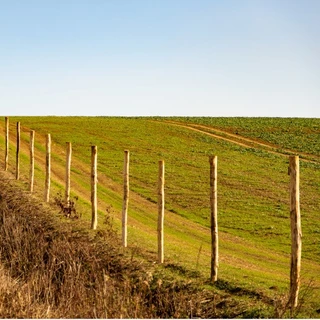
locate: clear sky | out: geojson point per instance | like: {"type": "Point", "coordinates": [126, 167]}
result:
{"type": "Point", "coordinates": [160, 57]}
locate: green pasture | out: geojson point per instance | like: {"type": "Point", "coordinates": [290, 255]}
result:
{"type": "Point", "coordinates": [298, 134]}
{"type": "Point", "coordinates": [253, 196]}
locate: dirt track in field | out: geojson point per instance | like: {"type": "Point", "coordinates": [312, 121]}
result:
{"type": "Point", "coordinates": [244, 142]}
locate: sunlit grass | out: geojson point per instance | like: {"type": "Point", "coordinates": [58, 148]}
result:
{"type": "Point", "coordinates": [253, 197]}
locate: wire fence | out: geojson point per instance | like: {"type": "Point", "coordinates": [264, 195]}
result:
{"type": "Point", "coordinates": [28, 156]}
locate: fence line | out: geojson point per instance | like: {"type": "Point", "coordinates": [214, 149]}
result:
{"type": "Point", "coordinates": [31, 175]}
{"type": "Point", "coordinates": [296, 234]}
{"type": "Point", "coordinates": [6, 156]}
{"type": "Point", "coordinates": [213, 160]}
{"type": "Point", "coordinates": [48, 168]}
{"type": "Point", "coordinates": [294, 202]}
{"type": "Point", "coordinates": [161, 212]}
{"type": "Point", "coordinates": [68, 170]}
{"type": "Point", "coordinates": [94, 220]}
{"type": "Point", "coordinates": [125, 197]}
{"type": "Point", "coordinates": [18, 152]}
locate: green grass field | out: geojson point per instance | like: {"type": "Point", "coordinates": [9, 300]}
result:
{"type": "Point", "coordinates": [253, 193]}
{"type": "Point", "coordinates": [298, 134]}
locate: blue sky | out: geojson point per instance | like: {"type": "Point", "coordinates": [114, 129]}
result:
{"type": "Point", "coordinates": [160, 57]}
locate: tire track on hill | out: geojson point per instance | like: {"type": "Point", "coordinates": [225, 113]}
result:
{"type": "Point", "coordinates": [244, 141]}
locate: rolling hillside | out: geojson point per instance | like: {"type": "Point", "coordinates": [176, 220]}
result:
{"type": "Point", "coordinates": [253, 197]}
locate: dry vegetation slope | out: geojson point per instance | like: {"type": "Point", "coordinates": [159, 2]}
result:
{"type": "Point", "coordinates": [54, 269]}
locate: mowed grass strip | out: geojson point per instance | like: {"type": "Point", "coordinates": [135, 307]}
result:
{"type": "Point", "coordinates": [253, 194]}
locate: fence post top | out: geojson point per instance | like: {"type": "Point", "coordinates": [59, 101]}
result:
{"type": "Point", "coordinates": [293, 161]}
{"type": "Point", "coordinates": [293, 157]}
{"type": "Point", "coordinates": [212, 158]}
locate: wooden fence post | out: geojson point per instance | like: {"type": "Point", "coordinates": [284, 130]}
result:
{"type": "Point", "coordinates": [18, 152]}
{"type": "Point", "coordinates": [68, 170]}
{"type": "Point", "coordinates": [125, 197]}
{"type": "Point", "coordinates": [48, 168]}
{"type": "Point", "coordinates": [6, 156]}
{"type": "Point", "coordinates": [296, 233]}
{"type": "Point", "coordinates": [213, 160]}
{"type": "Point", "coordinates": [94, 220]}
{"type": "Point", "coordinates": [31, 176]}
{"type": "Point", "coordinates": [161, 212]}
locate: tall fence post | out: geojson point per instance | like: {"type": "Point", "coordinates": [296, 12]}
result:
{"type": "Point", "coordinates": [94, 220]}
{"type": "Point", "coordinates": [6, 156]}
{"type": "Point", "coordinates": [125, 197]}
{"type": "Point", "coordinates": [31, 175]}
{"type": "Point", "coordinates": [48, 168]}
{"type": "Point", "coordinates": [161, 212]}
{"type": "Point", "coordinates": [18, 152]}
{"type": "Point", "coordinates": [296, 234]}
{"type": "Point", "coordinates": [213, 160]}
{"type": "Point", "coordinates": [68, 170]}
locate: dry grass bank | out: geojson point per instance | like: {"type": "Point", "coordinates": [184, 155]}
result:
{"type": "Point", "coordinates": [52, 269]}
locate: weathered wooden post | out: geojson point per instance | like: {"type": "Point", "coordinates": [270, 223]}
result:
{"type": "Point", "coordinates": [18, 152]}
{"type": "Point", "coordinates": [161, 212]}
{"type": "Point", "coordinates": [125, 197]}
{"type": "Point", "coordinates": [213, 160]}
{"type": "Point", "coordinates": [6, 156]}
{"type": "Point", "coordinates": [48, 168]}
{"type": "Point", "coordinates": [31, 176]}
{"type": "Point", "coordinates": [94, 220]}
{"type": "Point", "coordinates": [296, 234]}
{"type": "Point", "coordinates": [68, 171]}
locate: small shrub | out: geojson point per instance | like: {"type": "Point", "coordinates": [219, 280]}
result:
{"type": "Point", "coordinates": [67, 209]}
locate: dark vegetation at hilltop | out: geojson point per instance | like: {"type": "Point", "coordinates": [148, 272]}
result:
{"type": "Point", "coordinates": [63, 271]}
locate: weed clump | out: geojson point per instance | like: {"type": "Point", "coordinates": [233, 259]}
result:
{"type": "Point", "coordinates": [68, 209]}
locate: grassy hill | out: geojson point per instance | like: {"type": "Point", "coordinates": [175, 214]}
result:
{"type": "Point", "coordinates": [253, 197]}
